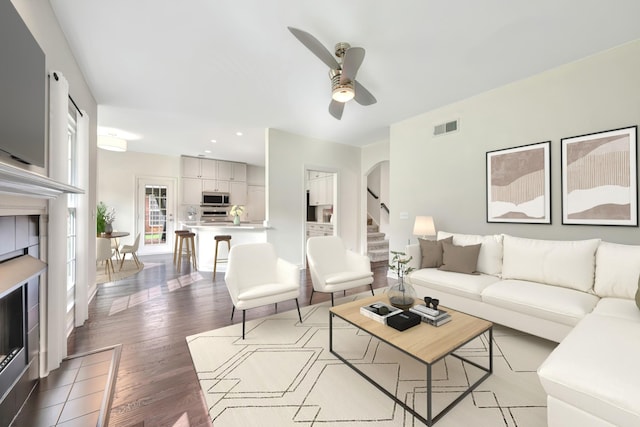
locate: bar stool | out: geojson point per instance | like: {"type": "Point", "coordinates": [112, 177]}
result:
{"type": "Point", "coordinates": [175, 245]}
{"type": "Point", "coordinates": [220, 238]}
{"type": "Point", "coordinates": [191, 248]}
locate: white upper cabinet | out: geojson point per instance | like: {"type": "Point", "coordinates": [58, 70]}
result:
{"type": "Point", "coordinates": [224, 170]}
{"type": "Point", "coordinates": [239, 172]}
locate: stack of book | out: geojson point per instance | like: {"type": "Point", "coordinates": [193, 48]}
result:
{"type": "Point", "coordinates": [431, 316]}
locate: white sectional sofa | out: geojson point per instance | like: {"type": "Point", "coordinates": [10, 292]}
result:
{"type": "Point", "coordinates": [578, 293]}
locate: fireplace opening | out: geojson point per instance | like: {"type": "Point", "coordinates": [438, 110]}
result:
{"type": "Point", "coordinates": [11, 327]}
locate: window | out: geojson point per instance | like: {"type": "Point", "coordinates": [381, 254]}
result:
{"type": "Point", "coordinates": [72, 202]}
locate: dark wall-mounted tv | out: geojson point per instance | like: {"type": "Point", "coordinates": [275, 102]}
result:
{"type": "Point", "coordinates": [23, 80]}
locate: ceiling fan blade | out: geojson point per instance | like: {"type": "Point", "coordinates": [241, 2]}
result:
{"type": "Point", "coordinates": [353, 58]}
{"type": "Point", "coordinates": [336, 108]}
{"type": "Point", "coordinates": [316, 47]}
{"type": "Point", "coordinates": [363, 96]}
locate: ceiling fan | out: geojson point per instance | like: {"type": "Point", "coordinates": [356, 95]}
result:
{"type": "Point", "coordinates": [342, 73]}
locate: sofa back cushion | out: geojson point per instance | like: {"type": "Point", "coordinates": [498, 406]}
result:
{"type": "Point", "coordinates": [490, 256]}
{"type": "Point", "coordinates": [617, 270]}
{"type": "Point", "coordinates": [570, 264]}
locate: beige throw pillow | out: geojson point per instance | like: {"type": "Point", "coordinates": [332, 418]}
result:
{"type": "Point", "coordinates": [431, 251]}
{"type": "Point", "coordinates": [460, 259]}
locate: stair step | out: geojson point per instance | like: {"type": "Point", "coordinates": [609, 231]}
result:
{"type": "Point", "coordinates": [378, 255]}
{"type": "Point", "coordinates": [378, 245]}
{"type": "Point", "coordinates": [372, 228]}
{"type": "Point", "coordinates": [375, 236]}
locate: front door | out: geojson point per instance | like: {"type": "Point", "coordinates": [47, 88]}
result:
{"type": "Point", "coordinates": [156, 215]}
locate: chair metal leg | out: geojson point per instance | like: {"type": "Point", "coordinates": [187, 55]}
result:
{"type": "Point", "coordinates": [233, 310]}
{"type": "Point", "coordinates": [371, 286]}
{"type": "Point", "coordinates": [310, 298]}
{"type": "Point", "coordinates": [243, 313]}
{"type": "Point", "coordinates": [331, 299]}
{"type": "Point", "coordinates": [276, 307]}
{"type": "Point", "coordinates": [298, 306]}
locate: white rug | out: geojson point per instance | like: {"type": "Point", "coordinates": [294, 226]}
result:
{"type": "Point", "coordinates": [283, 374]}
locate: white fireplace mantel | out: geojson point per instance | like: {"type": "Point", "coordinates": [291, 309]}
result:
{"type": "Point", "coordinates": [14, 180]}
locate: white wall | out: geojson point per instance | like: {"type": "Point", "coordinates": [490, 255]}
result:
{"type": "Point", "coordinates": [444, 176]}
{"type": "Point", "coordinates": [288, 156]}
{"type": "Point", "coordinates": [41, 21]}
{"type": "Point", "coordinates": [117, 176]}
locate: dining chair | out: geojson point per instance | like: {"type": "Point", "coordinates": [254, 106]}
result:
{"type": "Point", "coordinates": [104, 253]}
{"type": "Point", "coordinates": [131, 249]}
{"type": "Point", "coordinates": [334, 268]}
{"type": "Point", "coordinates": [255, 277]}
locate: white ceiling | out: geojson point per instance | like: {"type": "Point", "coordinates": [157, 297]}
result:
{"type": "Point", "coordinates": [179, 73]}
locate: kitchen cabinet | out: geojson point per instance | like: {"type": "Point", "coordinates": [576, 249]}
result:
{"type": "Point", "coordinates": [193, 167]}
{"type": "Point", "coordinates": [238, 192]}
{"type": "Point", "coordinates": [319, 229]}
{"type": "Point", "coordinates": [238, 172]}
{"type": "Point", "coordinates": [191, 191]}
{"type": "Point", "coordinates": [215, 185]}
{"type": "Point", "coordinates": [321, 190]}
{"type": "Point", "coordinates": [200, 175]}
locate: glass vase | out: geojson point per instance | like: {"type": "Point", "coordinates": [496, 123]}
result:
{"type": "Point", "coordinates": [108, 228]}
{"type": "Point", "coordinates": [236, 219]}
{"type": "Point", "coordinates": [402, 294]}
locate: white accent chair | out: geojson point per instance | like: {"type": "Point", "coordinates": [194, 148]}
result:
{"type": "Point", "coordinates": [334, 268]}
{"type": "Point", "coordinates": [104, 252]}
{"type": "Point", "coordinates": [255, 277]}
{"type": "Point", "coordinates": [131, 249]}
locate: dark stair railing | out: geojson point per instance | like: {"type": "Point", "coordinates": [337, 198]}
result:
{"type": "Point", "coordinates": [371, 192]}
{"type": "Point", "coordinates": [383, 206]}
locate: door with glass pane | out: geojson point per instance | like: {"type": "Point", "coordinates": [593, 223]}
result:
{"type": "Point", "coordinates": [156, 214]}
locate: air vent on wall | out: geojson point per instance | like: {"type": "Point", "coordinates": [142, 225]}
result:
{"type": "Point", "coordinates": [445, 127]}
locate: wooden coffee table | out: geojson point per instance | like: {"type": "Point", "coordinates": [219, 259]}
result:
{"type": "Point", "coordinates": [425, 343]}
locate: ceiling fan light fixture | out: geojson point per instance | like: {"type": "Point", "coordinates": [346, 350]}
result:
{"type": "Point", "coordinates": [112, 143]}
{"type": "Point", "coordinates": [343, 93]}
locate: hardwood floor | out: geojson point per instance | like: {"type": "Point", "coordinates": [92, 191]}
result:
{"type": "Point", "coordinates": [156, 382]}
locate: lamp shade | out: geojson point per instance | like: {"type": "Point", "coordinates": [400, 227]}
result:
{"type": "Point", "coordinates": [424, 226]}
{"type": "Point", "coordinates": [112, 143]}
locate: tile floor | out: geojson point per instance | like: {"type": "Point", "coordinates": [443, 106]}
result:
{"type": "Point", "coordinates": [76, 394]}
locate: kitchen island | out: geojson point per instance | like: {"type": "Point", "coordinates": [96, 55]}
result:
{"type": "Point", "coordinates": [206, 245]}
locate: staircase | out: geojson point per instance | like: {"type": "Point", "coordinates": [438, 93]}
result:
{"type": "Point", "coordinates": [377, 245]}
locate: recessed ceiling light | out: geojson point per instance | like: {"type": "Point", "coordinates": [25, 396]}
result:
{"type": "Point", "coordinates": [214, 141]}
{"type": "Point", "coordinates": [239, 133]}
{"type": "Point", "coordinates": [207, 151]}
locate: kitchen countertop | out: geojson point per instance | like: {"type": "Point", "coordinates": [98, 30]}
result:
{"type": "Point", "coordinates": [206, 225]}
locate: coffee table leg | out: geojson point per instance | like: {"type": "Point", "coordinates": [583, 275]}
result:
{"type": "Point", "coordinates": [330, 332]}
{"type": "Point", "coordinates": [429, 400]}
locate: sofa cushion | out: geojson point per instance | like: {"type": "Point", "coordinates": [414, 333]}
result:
{"type": "Point", "coordinates": [617, 270]}
{"type": "Point", "coordinates": [562, 305]}
{"type": "Point", "coordinates": [570, 264]}
{"type": "Point", "coordinates": [594, 369]}
{"type": "Point", "coordinates": [460, 259]}
{"type": "Point", "coordinates": [490, 256]}
{"type": "Point", "coordinates": [618, 307]}
{"type": "Point", "coordinates": [466, 285]}
{"type": "Point", "coordinates": [431, 252]}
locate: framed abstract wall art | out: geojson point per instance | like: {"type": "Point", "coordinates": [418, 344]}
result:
{"type": "Point", "coordinates": [599, 178]}
{"type": "Point", "coordinates": [519, 184]}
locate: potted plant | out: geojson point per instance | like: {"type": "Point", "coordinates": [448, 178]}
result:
{"type": "Point", "coordinates": [104, 218]}
{"type": "Point", "coordinates": [401, 294]}
{"type": "Point", "coordinates": [236, 211]}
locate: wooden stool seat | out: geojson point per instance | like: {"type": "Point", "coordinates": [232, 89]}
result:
{"type": "Point", "coordinates": [175, 245]}
{"type": "Point", "coordinates": [190, 247]}
{"type": "Point", "coordinates": [220, 238]}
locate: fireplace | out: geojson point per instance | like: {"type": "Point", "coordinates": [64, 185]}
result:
{"type": "Point", "coordinates": [20, 270]}
{"type": "Point", "coordinates": [12, 338]}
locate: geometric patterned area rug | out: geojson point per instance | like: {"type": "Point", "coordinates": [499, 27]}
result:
{"type": "Point", "coordinates": [283, 374]}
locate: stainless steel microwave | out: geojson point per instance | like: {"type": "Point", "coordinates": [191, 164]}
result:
{"type": "Point", "coordinates": [214, 199]}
